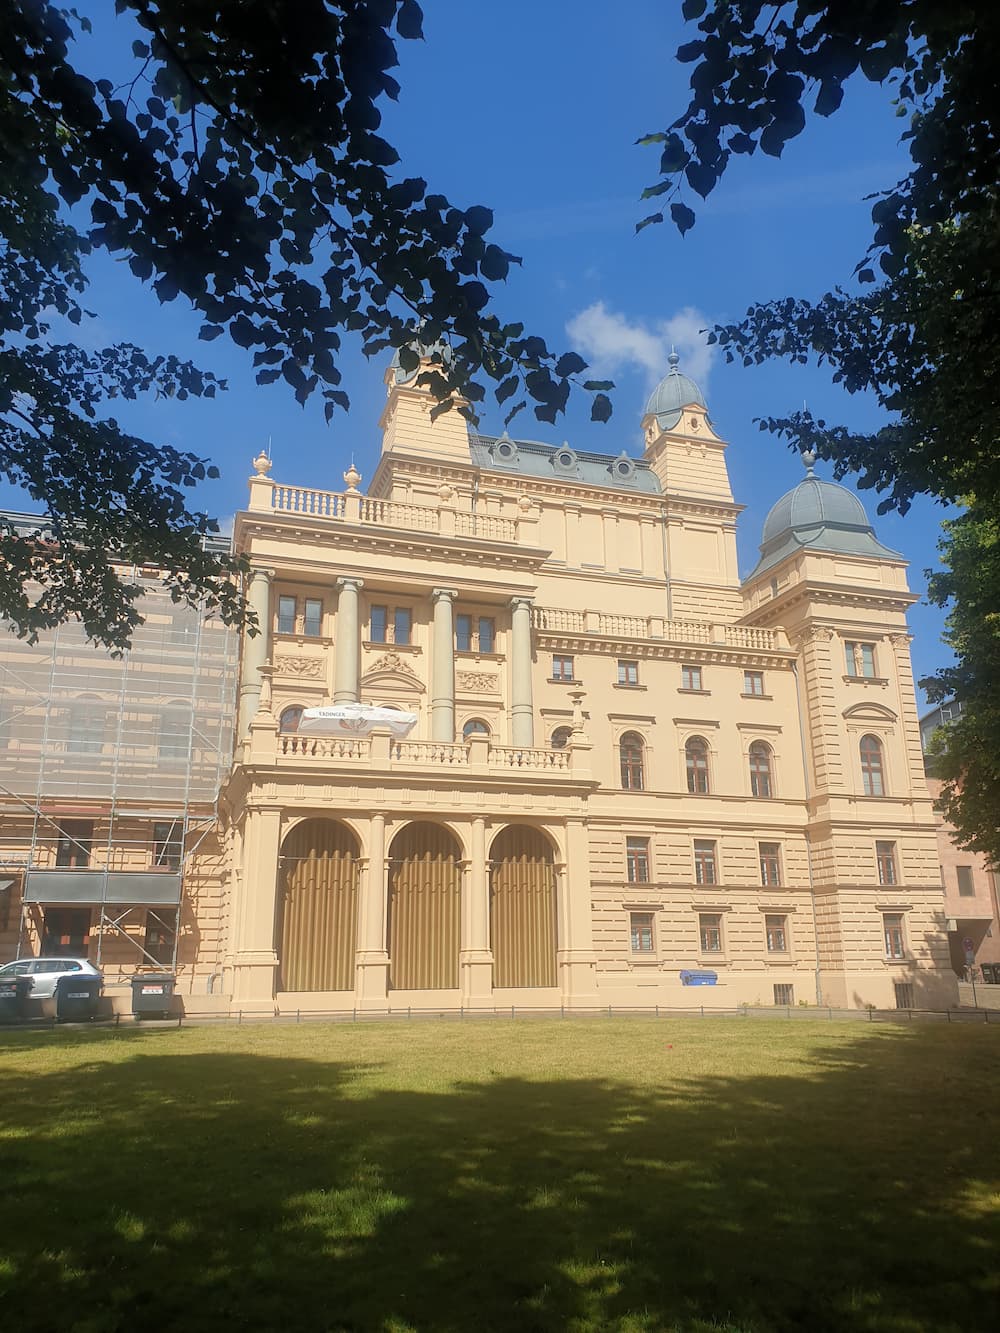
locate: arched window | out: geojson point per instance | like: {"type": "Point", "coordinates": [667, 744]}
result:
{"type": "Point", "coordinates": [760, 769]}
{"type": "Point", "coordinates": [872, 767]}
{"type": "Point", "coordinates": [87, 716]}
{"type": "Point", "coordinates": [560, 738]}
{"type": "Point", "coordinates": [475, 727]}
{"type": "Point", "coordinates": [630, 749]}
{"type": "Point", "coordinates": [290, 719]}
{"type": "Point", "coordinates": [175, 731]}
{"type": "Point", "coordinates": [696, 763]}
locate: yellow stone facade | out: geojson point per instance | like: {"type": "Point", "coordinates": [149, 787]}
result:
{"type": "Point", "coordinates": [626, 765]}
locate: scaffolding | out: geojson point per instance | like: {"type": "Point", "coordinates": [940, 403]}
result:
{"type": "Point", "coordinates": [110, 771]}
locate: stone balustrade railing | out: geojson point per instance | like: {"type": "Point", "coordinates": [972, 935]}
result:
{"type": "Point", "coordinates": [353, 507]}
{"type": "Point", "coordinates": [560, 620]}
{"type": "Point", "coordinates": [375, 751]}
{"type": "Point", "coordinates": [324, 747]}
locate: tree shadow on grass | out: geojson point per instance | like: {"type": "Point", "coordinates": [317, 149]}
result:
{"type": "Point", "coordinates": [200, 1191]}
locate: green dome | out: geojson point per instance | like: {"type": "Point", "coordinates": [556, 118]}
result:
{"type": "Point", "coordinates": [822, 516]}
{"type": "Point", "coordinates": [673, 393]}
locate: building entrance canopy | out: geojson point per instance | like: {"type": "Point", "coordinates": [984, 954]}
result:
{"type": "Point", "coordinates": [355, 720]}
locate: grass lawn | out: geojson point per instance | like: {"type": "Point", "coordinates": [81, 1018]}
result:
{"type": "Point", "coordinates": [626, 1174]}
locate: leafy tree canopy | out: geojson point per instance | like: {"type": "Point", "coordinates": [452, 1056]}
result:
{"type": "Point", "coordinates": [924, 338]}
{"type": "Point", "coordinates": [239, 168]}
{"type": "Point", "coordinates": [921, 330]}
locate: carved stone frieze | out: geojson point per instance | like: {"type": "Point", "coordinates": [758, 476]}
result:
{"type": "Point", "coordinates": [477, 682]}
{"type": "Point", "coordinates": [303, 668]}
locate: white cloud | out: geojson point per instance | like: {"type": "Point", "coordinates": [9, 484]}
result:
{"type": "Point", "coordinates": [612, 344]}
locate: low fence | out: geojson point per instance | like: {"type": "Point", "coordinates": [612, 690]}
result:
{"type": "Point", "coordinates": [796, 1013]}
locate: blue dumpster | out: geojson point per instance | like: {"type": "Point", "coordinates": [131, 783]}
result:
{"type": "Point", "coordinates": [698, 977]}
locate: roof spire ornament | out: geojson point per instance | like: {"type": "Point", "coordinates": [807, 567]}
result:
{"type": "Point", "coordinates": [262, 464]}
{"type": "Point", "coordinates": [809, 459]}
{"type": "Point", "coordinates": [673, 361]}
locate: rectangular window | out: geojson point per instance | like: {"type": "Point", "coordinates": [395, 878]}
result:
{"type": "Point", "coordinates": [776, 929]}
{"type": "Point", "coordinates": [691, 678]}
{"type": "Point", "coordinates": [966, 888]}
{"type": "Point", "coordinates": [770, 864]}
{"type": "Point", "coordinates": [710, 930]}
{"type": "Point", "coordinates": [474, 634]}
{"type": "Point", "coordinates": [562, 668]}
{"type": "Point", "coordinates": [784, 995]}
{"type": "Point", "coordinates": [637, 860]}
{"type": "Point", "coordinates": [904, 994]}
{"type": "Point", "coordinates": [704, 862]}
{"type": "Point", "coordinates": [885, 855]}
{"type": "Point", "coordinates": [753, 682]}
{"type": "Point", "coordinates": [65, 932]}
{"type": "Point", "coordinates": [641, 931]}
{"type": "Point", "coordinates": [286, 615]}
{"type": "Point", "coordinates": [313, 619]}
{"type": "Point", "coordinates": [389, 625]}
{"type": "Point", "coordinates": [892, 926]}
{"type": "Point", "coordinates": [161, 934]}
{"type": "Point", "coordinates": [167, 845]}
{"type": "Point", "coordinates": [628, 672]}
{"type": "Point", "coordinates": [76, 840]}
{"type": "Point", "coordinates": [860, 659]}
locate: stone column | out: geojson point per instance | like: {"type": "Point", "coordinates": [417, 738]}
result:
{"type": "Point", "coordinates": [443, 667]}
{"type": "Point", "coordinates": [372, 959]}
{"type": "Point", "coordinates": [522, 714]}
{"type": "Point", "coordinates": [476, 957]}
{"type": "Point", "coordinates": [254, 957]}
{"type": "Point", "coordinates": [575, 955]}
{"type": "Point", "coordinates": [255, 648]}
{"type": "Point", "coordinates": [347, 645]}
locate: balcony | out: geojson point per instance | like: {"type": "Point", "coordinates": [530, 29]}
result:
{"type": "Point", "coordinates": [441, 520]}
{"type": "Point", "coordinates": [380, 752]}
{"type": "Point", "coordinates": [559, 620]}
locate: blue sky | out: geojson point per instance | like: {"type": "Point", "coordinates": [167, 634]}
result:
{"type": "Point", "coordinates": [533, 109]}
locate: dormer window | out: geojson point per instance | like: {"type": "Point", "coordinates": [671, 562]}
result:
{"type": "Point", "coordinates": [564, 459]}
{"type": "Point", "coordinates": [505, 450]}
{"type": "Point", "coordinates": [622, 469]}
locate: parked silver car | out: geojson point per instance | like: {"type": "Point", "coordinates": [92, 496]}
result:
{"type": "Point", "coordinates": [45, 972]}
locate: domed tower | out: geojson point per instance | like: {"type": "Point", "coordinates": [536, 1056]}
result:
{"type": "Point", "coordinates": [407, 426]}
{"type": "Point", "coordinates": [841, 596]}
{"type": "Point", "coordinates": [689, 459]}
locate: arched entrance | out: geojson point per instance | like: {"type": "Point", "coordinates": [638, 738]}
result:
{"type": "Point", "coordinates": [522, 908]}
{"type": "Point", "coordinates": [425, 905]}
{"type": "Point", "coordinates": [319, 902]}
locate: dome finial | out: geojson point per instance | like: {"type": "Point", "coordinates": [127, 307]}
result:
{"type": "Point", "coordinates": [673, 360]}
{"type": "Point", "coordinates": [809, 459]}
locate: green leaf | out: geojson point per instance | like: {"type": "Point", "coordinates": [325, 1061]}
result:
{"type": "Point", "coordinates": [682, 217]}
{"type": "Point", "coordinates": [570, 364]}
{"type": "Point", "coordinates": [600, 408]}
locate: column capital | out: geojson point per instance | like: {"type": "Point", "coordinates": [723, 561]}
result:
{"type": "Point", "coordinates": [444, 594]}
{"type": "Point", "coordinates": [516, 602]}
{"type": "Point", "coordinates": [262, 572]}
{"type": "Point", "coordinates": [351, 583]}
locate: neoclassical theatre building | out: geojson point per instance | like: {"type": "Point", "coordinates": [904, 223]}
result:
{"type": "Point", "coordinates": [628, 764]}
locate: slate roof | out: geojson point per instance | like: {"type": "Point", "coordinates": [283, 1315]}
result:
{"type": "Point", "coordinates": [530, 458]}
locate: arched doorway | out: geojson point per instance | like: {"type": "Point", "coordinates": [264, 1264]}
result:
{"type": "Point", "coordinates": [522, 908]}
{"type": "Point", "coordinates": [425, 906]}
{"type": "Point", "coordinates": [319, 902]}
